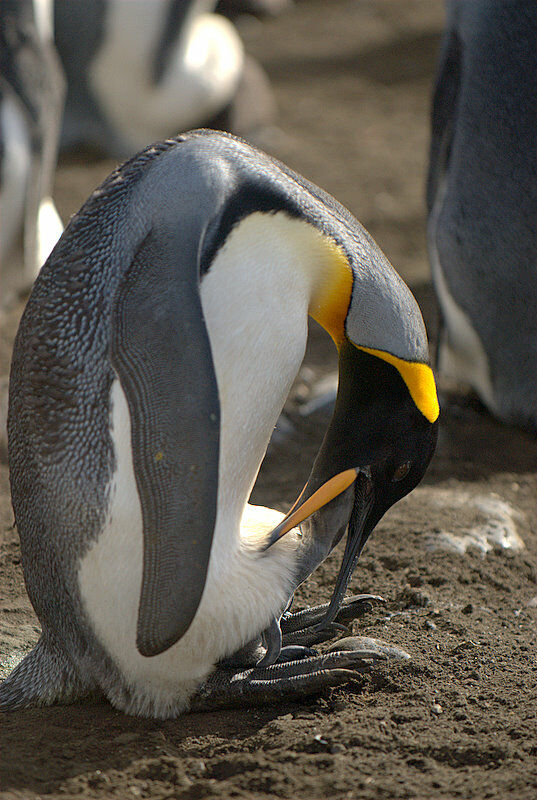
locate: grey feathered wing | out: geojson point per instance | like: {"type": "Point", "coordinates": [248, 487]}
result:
{"type": "Point", "coordinates": [162, 355]}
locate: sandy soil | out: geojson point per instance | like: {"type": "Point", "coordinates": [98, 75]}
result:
{"type": "Point", "coordinates": [459, 720]}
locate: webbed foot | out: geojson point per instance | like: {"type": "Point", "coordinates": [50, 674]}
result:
{"type": "Point", "coordinates": [293, 635]}
{"type": "Point", "coordinates": [299, 670]}
{"type": "Point", "coordinates": [290, 680]}
{"type": "Point", "coordinates": [306, 627]}
{"type": "Point", "coordinates": [356, 644]}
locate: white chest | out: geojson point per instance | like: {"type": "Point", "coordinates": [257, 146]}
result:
{"type": "Point", "coordinates": [202, 71]}
{"type": "Point", "coordinates": [255, 307]}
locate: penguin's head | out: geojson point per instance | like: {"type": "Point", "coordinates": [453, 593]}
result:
{"type": "Point", "coordinates": [380, 440]}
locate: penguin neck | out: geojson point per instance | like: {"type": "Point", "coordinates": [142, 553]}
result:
{"type": "Point", "coordinates": [269, 274]}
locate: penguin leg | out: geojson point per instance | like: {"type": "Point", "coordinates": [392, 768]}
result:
{"type": "Point", "coordinates": [305, 628]}
{"type": "Point", "coordinates": [293, 636]}
{"type": "Point", "coordinates": [276, 651]}
{"type": "Point", "coordinates": [272, 639]}
{"type": "Point", "coordinates": [292, 680]}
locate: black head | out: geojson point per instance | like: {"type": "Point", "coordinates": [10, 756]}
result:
{"type": "Point", "coordinates": [381, 442]}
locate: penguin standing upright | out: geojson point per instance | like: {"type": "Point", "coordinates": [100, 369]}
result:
{"type": "Point", "coordinates": [139, 71]}
{"type": "Point", "coordinates": [482, 199]}
{"type": "Point", "coordinates": [151, 364]}
{"type": "Point", "coordinates": [31, 102]}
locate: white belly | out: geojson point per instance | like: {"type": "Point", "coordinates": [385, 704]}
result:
{"type": "Point", "coordinates": [462, 356]}
{"type": "Point", "coordinates": [15, 172]}
{"type": "Point", "coordinates": [202, 75]}
{"type": "Point", "coordinates": [258, 341]}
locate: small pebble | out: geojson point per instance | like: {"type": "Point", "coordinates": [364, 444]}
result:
{"type": "Point", "coordinates": [436, 708]}
{"type": "Point", "coordinates": [125, 738]}
{"type": "Point", "coordinates": [337, 748]}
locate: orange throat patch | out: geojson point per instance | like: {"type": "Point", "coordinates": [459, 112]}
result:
{"type": "Point", "coordinates": [332, 298]}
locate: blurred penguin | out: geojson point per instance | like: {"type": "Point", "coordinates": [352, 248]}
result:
{"type": "Point", "coordinates": [482, 200]}
{"type": "Point", "coordinates": [254, 8]}
{"type": "Point", "coordinates": [139, 71]}
{"type": "Point", "coordinates": [31, 100]}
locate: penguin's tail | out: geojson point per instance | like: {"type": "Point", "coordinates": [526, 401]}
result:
{"type": "Point", "coordinates": [43, 677]}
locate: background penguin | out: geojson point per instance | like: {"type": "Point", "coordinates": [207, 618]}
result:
{"type": "Point", "coordinates": [138, 71]}
{"type": "Point", "coordinates": [482, 199]}
{"type": "Point", "coordinates": [31, 100]}
{"type": "Point", "coordinates": [256, 8]}
{"type": "Point", "coordinates": [151, 364]}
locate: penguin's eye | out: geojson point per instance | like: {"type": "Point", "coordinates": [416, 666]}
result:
{"type": "Point", "coordinates": [401, 471]}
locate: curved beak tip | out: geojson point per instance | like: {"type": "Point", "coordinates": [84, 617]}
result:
{"type": "Point", "coordinates": [299, 512]}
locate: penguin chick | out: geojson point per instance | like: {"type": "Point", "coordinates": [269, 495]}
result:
{"type": "Point", "coordinates": [152, 361]}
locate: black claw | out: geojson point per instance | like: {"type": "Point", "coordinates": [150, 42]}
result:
{"type": "Point", "coordinates": [272, 639]}
{"type": "Point", "coordinates": [309, 637]}
{"type": "Point", "coordinates": [307, 626]}
{"type": "Point", "coordinates": [289, 680]}
{"type": "Point", "coordinates": [357, 606]}
{"type": "Point", "coordinates": [295, 652]}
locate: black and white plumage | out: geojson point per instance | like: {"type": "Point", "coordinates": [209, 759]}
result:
{"type": "Point", "coordinates": [31, 102]}
{"type": "Point", "coordinates": [151, 364]}
{"type": "Point", "coordinates": [139, 71]}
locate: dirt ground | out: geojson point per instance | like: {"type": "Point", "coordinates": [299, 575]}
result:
{"type": "Point", "coordinates": [352, 81]}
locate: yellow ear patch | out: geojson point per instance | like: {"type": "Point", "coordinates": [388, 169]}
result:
{"type": "Point", "coordinates": [419, 379]}
{"type": "Point", "coordinates": [332, 297]}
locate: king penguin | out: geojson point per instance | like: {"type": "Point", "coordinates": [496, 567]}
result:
{"type": "Point", "coordinates": [482, 199]}
{"type": "Point", "coordinates": [138, 71]}
{"type": "Point", "coordinates": [31, 102]}
{"type": "Point", "coordinates": [151, 364]}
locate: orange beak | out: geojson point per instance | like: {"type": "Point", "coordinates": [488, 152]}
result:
{"type": "Point", "coordinates": [299, 512]}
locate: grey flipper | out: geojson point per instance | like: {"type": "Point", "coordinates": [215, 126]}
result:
{"type": "Point", "coordinates": [162, 355]}
{"type": "Point", "coordinates": [175, 17]}
{"type": "Point", "coordinates": [30, 78]}
{"type": "Point", "coordinates": [44, 676]}
{"type": "Point", "coordinates": [443, 111]}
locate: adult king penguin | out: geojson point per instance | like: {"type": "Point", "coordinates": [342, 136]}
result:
{"type": "Point", "coordinates": [31, 103]}
{"type": "Point", "coordinates": [482, 198]}
{"type": "Point", "coordinates": [151, 364]}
